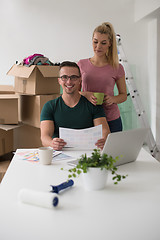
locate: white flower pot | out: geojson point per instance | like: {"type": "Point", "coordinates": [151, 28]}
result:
{"type": "Point", "coordinates": [95, 178]}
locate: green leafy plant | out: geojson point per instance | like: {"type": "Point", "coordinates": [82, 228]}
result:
{"type": "Point", "coordinates": [96, 160]}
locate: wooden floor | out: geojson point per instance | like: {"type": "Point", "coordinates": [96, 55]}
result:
{"type": "Point", "coordinates": [4, 164]}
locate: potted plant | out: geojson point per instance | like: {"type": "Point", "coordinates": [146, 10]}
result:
{"type": "Point", "coordinates": [95, 170]}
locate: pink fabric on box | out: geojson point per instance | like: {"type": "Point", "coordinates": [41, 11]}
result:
{"type": "Point", "coordinates": [28, 59]}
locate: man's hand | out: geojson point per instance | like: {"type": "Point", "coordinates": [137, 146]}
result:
{"type": "Point", "coordinates": [100, 143]}
{"type": "Point", "coordinates": [57, 143]}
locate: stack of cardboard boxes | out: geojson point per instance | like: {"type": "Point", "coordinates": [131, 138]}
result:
{"type": "Point", "coordinates": [34, 86]}
{"type": "Point", "coordinates": [8, 115]}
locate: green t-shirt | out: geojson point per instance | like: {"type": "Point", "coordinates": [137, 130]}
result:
{"type": "Point", "coordinates": [79, 117]}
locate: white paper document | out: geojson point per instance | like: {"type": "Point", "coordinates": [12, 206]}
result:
{"type": "Point", "coordinates": [81, 138]}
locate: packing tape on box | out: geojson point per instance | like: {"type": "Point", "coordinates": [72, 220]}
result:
{"type": "Point", "coordinates": [41, 199]}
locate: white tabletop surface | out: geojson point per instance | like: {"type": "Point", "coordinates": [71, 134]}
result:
{"type": "Point", "coordinates": [128, 211]}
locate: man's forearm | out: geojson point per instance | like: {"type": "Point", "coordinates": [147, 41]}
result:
{"type": "Point", "coordinates": [105, 126]}
{"type": "Point", "coordinates": [105, 131]}
{"type": "Point", "coordinates": [46, 141]}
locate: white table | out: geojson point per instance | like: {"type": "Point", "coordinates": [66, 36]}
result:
{"type": "Point", "coordinates": [128, 211]}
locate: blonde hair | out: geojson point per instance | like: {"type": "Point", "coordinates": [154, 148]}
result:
{"type": "Point", "coordinates": [112, 55]}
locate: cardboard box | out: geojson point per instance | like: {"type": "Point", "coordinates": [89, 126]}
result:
{"type": "Point", "coordinates": [35, 79]}
{"type": "Point", "coordinates": [27, 137]}
{"type": "Point", "coordinates": [6, 89]}
{"type": "Point", "coordinates": [9, 109]}
{"type": "Point", "coordinates": [6, 141]}
{"type": "Point", "coordinates": [31, 107]}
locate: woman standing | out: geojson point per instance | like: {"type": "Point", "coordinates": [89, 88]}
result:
{"type": "Point", "coordinates": [101, 72]}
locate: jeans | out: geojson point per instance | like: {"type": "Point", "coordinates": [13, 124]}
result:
{"type": "Point", "coordinates": [115, 125]}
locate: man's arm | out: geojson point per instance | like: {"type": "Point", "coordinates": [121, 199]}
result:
{"type": "Point", "coordinates": [105, 131]}
{"type": "Point", "coordinates": [47, 130]}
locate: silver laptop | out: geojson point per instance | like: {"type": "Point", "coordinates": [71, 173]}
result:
{"type": "Point", "coordinates": [126, 144]}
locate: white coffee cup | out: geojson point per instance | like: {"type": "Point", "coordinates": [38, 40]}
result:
{"type": "Point", "coordinates": [45, 155]}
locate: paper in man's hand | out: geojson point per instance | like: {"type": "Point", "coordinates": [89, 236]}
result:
{"type": "Point", "coordinates": [81, 138]}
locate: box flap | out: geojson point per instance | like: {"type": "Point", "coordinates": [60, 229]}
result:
{"type": "Point", "coordinates": [10, 127]}
{"type": "Point", "coordinates": [21, 71]}
{"type": "Point", "coordinates": [9, 96]}
{"type": "Point", "coordinates": [6, 89]}
{"type": "Point", "coordinates": [49, 71]}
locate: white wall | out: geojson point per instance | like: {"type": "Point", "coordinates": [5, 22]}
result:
{"type": "Point", "coordinates": [152, 71]}
{"type": "Point", "coordinates": [145, 7]}
{"type": "Point", "coordinates": [148, 11]}
{"type": "Point", "coordinates": [158, 83]}
{"type": "Point", "coordinates": [60, 30]}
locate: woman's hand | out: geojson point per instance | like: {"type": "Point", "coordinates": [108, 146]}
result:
{"type": "Point", "coordinates": [90, 97]}
{"type": "Point", "coordinates": [109, 100]}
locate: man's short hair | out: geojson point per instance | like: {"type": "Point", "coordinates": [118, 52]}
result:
{"type": "Point", "coordinates": [70, 64]}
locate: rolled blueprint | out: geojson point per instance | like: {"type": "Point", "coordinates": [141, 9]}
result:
{"type": "Point", "coordinates": [41, 199]}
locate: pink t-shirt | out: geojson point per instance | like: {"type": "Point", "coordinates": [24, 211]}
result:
{"type": "Point", "coordinates": [101, 79]}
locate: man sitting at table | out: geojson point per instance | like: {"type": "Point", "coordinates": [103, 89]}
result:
{"type": "Point", "coordinates": [71, 110]}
